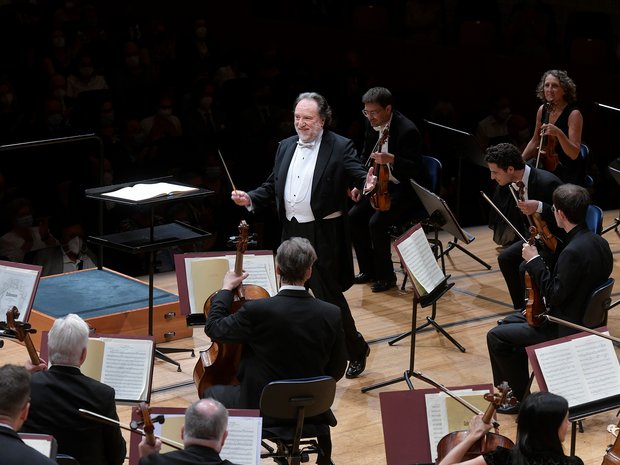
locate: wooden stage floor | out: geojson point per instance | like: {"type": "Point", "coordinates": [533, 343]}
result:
{"type": "Point", "coordinates": [467, 312]}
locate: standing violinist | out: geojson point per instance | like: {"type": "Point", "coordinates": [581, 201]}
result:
{"type": "Point", "coordinates": [558, 128]}
{"type": "Point", "coordinates": [400, 159]}
{"type": "Point", "coordinates": [510, 171]}
{"type": "Point", "coordinates": [289, 336]}
{"type": "Point", "coordinates": [584, 263]}
{"type": "Point", "coordinates": [312, 173]}
{"type": "Point", "coordinates": [541, 429]}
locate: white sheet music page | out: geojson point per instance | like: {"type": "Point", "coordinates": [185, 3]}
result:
{"type": "Point", "coordinates": [581, 370]}
{"type": "Point", "coordinates": [127, 367]}
{"type": "Point", "coordinates": [143, 191]}
{"type": "Point", "coordinates": [243, 442]}
{"type": "Point", "coordinates": [419, 259]}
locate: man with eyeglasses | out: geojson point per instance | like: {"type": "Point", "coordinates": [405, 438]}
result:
{"type": "Point", "coordinates": [400, 155]}
{"type": "Point", "coordinates": [585, 263]}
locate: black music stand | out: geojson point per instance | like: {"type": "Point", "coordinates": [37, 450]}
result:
{"type": "Point", "coordinates": [614, 169]}
{"type": "Point", "coordinates": [429, 299]}
{"type": "Point", "coordinates": [441, 218]}
{"type": "Point", "coordinates": [447, 142]}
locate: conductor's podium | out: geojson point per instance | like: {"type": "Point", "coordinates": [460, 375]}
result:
{"type": "Point", "coordinates": [110, 303]}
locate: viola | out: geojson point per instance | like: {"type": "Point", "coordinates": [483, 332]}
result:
{"type": "Point", "coordinates": [534, 303]}
{"type": "Point", "coordinates": [380, 197]}
{"type": "Point", "coordinates": [546, 149]}
{"type": "Point", "coordinates": [542, 228]}
{"type": "Point", "coordinates": [612, 455]}
{"type": "Point", "coordinates": [22, 331]}
{"type": "Point", "coordinates": [218, 364]}
{"type": "Point", "coordinates": [490, 441]}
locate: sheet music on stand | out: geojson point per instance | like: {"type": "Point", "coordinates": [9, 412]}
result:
{"type": "Point", "coordinates": [415, 252]}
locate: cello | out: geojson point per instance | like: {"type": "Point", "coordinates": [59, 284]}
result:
{"type": "Point", "coordinates": [22, 331]}
{"type": "Point", "coordinates": [612, 455]}
{"type": "Point", "coordinates": [218, 364]}
{"type": "Point", "coordinates": [546, 148]}
{"type": "Point", "coordinates": [379, 196]}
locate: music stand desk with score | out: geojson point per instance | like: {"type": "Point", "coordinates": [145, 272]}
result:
{"type": "Point", "coordinates": [151, 239]}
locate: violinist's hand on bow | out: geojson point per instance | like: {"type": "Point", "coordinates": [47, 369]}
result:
{"type": "Point", "coordinates": [549, 129]}
{"type": "Point", "coordinates": [528, 252]}
{"type": "Point", "coordinates": [371, 181]}
{"type": "Point", "coordinates": [146, 449]}
{"type": "Point", "coordinates": [241, 198]}
{"type": "Point", "coordinates": [382, 158]}
{"type": "Point", "coordinates": [232, 281]}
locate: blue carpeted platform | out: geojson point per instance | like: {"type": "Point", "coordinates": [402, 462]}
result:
{"type": "Point", "coordinates": [93, 293]}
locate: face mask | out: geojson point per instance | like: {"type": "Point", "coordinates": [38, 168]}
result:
{"type": "Point", "coordinates": [107, 120]}
{"type": "Point", "coordinates": [75, 245]}
{"type": "Point", "coordinates": [86, 71]}
{"type": "Point", "coordinates": [138, 139]}
{"type": "Point", "coordinates": [165, 112]}
{"type": "Point", "coordinates": [55, 120]}
{"type": "Point", "coordinates": [132, 61]}
{"type": "Point", "coordinates": [6, 99]}
{"type": "Point", "coordinates": [201, 32]}
{"type": "Point", "coordinates": [59, 94]}
{"type": "Point", "coordinates": [206, 102]}
{"type": "Point", "coordinates": [24, 221]}
{"type": "Point", "coordinates": [58, 42]}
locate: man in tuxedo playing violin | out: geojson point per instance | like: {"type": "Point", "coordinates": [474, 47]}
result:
{"type": "Point", "coordinates": [311, 176]}
{"type": "Point", "coordinates": [537, 185]}
{"type": "Point", "coordinates": [400, 156]}
{"type": "Point", "coordinates": [584, 264]}
{"type": "Point", "coordinates": [59, 392]}
{"type": "Point", "coordinates": [14, 406]}
{"type": "Point", "coordinates": [289, 336]}
{"type": "Point", "coordinates": [204, 433]}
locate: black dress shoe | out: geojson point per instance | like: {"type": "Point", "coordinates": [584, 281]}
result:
{"type": "Point", "coordinates": [381, 285]}
{"type": "Point", "coordinates": [363, 278]}
{"type": "Point", "coordinates": [357, 367]}
{"type": "Point", "coordinates": [507, 409]}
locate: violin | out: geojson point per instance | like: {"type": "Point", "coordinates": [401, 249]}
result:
{"type": "Point", "coordinates": [490, 441]}
{"type": "Point", "coordinates": [546, 148]}
{"type": "Point", "coordinates": [144, 412]}
{"type": "Point", "coordinates": [22, 331]}
{"type": "Point", "coordinates": [534, 303]}
{"type": "Point", "coordinates": [218, 364]}
{"type": "Point", "coordinates": [542, 228]}
{"type": "Point", "coordinates": [380, 197]}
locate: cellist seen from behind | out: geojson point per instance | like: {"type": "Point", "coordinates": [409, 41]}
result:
{"type": "Point", "coordinates": [291, 335]}
{"type": "Point", "coordinates": [541, 429]}
{"type": "Point", "coordinates": [583, 264]}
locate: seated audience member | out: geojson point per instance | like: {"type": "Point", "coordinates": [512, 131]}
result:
{"type": "Point", "coordinates": [204, 434]}
{"type": "Point", "coordinates": [59, 392]}
{"type": "Point", "coordinates": [70, 255]}
{"type": "Point", "coordinates": [23, 237]}
{"type": "Point", "coordinates": [14, 406]}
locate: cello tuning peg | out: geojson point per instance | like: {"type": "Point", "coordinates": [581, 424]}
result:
{"type": "Point", "coordinates": [134, 425]}
{"type": "Point", "coordinates": [158, 419]}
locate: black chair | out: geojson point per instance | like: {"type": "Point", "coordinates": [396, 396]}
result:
{"type": "Point", "coordinates": [294, 411]}
{"type": "Point", "coordinates": [598, 305]}
{"type": "Point", "coordinates": [614, 170]}
{"type": "Point", "coordinates": [64, 459]}
{"type": "Point", "coordinates": [584, 151]}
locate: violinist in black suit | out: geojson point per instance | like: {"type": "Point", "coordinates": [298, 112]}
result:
{"type": "Point", "coordinates": [14, 406]}
{"type": "Point", "coordinates": [584, 263]}
{"type": "Point", "coordinates": [536, 186]}
{"type": "Point", "coordinates": [398, 154]}
{"type": "Point", "coordinates": [309, 183]}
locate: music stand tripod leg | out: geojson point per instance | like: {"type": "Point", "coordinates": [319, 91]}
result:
{"type": "Point", "coordinates": [454, 244]}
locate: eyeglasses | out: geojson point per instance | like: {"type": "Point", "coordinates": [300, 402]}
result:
{"type": "Point", "coordinates": [553, 208]}
{"type": "Point", "coordinates": [372, 113]}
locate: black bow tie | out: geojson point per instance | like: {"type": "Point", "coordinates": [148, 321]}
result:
{"type": "Point", "coordinates": [305, 145]}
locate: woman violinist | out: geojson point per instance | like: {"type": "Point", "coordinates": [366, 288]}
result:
{"type": "Point", "coordinates": [541, 429]}
{"type": "Point", "coordinates": [556, 140]}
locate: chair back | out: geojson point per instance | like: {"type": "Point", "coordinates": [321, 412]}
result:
{"type": "Point", "coordinates": [598, 305]}
{"type": "Point", "coordinates": [283, 399]}
{"type": "Point", "coordinates": [584, 151]}
{"type": "Point", "coordinates": [594, 219]}
{"type": "Point", "coordinates": [433, 168]}
{"type": "Point", "coordinates": [64, 459]}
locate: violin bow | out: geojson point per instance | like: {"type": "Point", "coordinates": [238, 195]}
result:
{"type": "Point", "coordinates": [504, 216]}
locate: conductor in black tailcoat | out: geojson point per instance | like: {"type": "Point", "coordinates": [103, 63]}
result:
{"type": "Point", "coordinates": [309, 184]}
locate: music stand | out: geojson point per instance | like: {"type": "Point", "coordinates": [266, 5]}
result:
{"type": "Point", "coordinates": [615, 173]}
{"type": "Point", "coordinates": [440, 217]}
{"type": "Point", "coordinates": [447, 142]}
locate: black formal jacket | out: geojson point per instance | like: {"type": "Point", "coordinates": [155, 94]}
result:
{"type": "Point", "coordinates": [189, 455]}
{"type": "Point", "coordinates": [288, 336]}
{"type": "Point", "coordinates": [404, 143]}
{"type": "Point", "coordinates": [56, 396]}
{"type": "Point", "coordinates": [14, 451]}
{"type": "Point", "coordinates": [584, 263]}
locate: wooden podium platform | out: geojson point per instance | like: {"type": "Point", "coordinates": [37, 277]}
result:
{"type": "Point", "coordinates": [109, 302]}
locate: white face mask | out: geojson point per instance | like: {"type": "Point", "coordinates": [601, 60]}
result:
{"type": "Point", "coordinates": [75, 245]}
